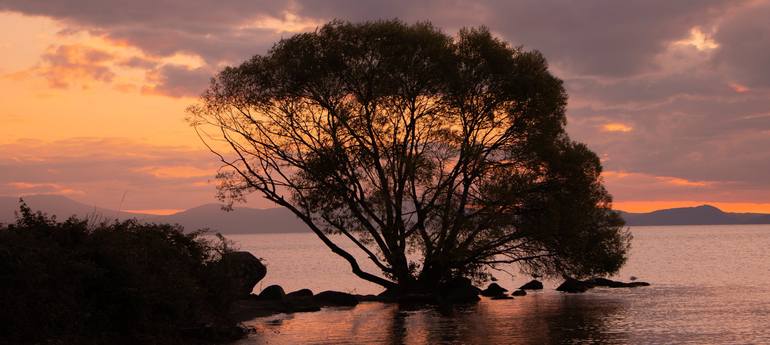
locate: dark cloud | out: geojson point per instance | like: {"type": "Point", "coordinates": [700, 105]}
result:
{"type": "Point", "coordinates": [179, 81]}
{"type": "Point", "coordinates": [646, 90]}
{"type": "Point", "coordinates": [598, 37]}
{"type": "Point", "coordinates": [208, 28]}
{"type": "Point", "coordinates": [449, 14]}
{"type": "Point", "coordinates": [220, 45]}
{"type": "Point", "coordinates": [595, 37]}
{"type": "Point", "coordinates": [138, 62]}
{"type": "Point", "coordinates": [702, 139]}
{"type": "Point", "coordinates": [604, 37]}
{"type": "Point", "coordinates": [744, 50]}
{"type": "Point", "coordinates": [191, 16]}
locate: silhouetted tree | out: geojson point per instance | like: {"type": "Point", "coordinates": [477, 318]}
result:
{"type": "Point", "coordinates": [437, 156]}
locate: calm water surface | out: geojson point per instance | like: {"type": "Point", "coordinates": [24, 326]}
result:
{"type": "Point", "coordinates": [711, 285]}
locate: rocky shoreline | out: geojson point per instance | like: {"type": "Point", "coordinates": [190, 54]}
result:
{"type": "Point", "coordinates": [246, 271]}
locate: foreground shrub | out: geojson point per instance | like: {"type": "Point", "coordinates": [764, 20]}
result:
{"type": "Point", "coordinates": [111, 282]}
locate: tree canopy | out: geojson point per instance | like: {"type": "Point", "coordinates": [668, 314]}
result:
{"type": "Point", "coordinates": [438, 156]}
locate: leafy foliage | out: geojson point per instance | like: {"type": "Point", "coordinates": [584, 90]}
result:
{"type": "Point", "coordinates": [438, 156]}
{"type": "Point", "coordinates": [120, 282]}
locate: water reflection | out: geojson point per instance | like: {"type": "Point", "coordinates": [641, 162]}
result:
{"type": "Point", "coordinates": [541, 318]}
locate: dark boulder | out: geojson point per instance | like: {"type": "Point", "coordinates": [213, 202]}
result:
{"type": "Point", "coordinates": [236, 273]}
{"type": "Point", "coordinates": [498, 297]}
{"type": "Point", "coordinates": [272, 293]}
{"type": "Point", "coordinates": [573, 285]}
{"type": "Point", "coordinates": [494, 290]}
{"type": "Point", "coordinates": [532, 285]}
{"type": "Point", "coordinates": [637, 284]}
{"type": "Point", "coordinates": [301, 304]}
{"type": "Point", "coordinates": [459, 291]}
{"type": "Point", "coordinates": [335, 298]}
{"type": "Point", "coordinates": [519, 293]}
{"type": "Point", "coordinates": [604, 282]}
{"type": "Point", "coordinates": [300, 293]}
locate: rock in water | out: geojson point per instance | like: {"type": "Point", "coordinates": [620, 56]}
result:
{"type": "Point", "coordinates": [532, 285]}
{"type": "Point", "coordinates": [573, 285]}
{"type": "Point", "coordinates": [335, 298]}
{"type": "Point", "coordinates": [272, 293]}
{"type": "Point", "coordinates": [637, 284]}
{"type": "Point", "coordinates": [300, 293]}
{"type": "Point", "coordinates": [519, 293]}
{"type": "Point", "coordinates": [238, 273]}
{"type": "Point", "coordinates": [494, 290]}
{"type": "Point", "coordinates": [604, 282]}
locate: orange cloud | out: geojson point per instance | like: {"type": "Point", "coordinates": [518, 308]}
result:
{"type": "Point", "coordinates": [66, 65]}
{"type": "Point", "coordinates": [646, 179]}
{"type": "Point", "coordinates": [80, 59]}
{"type": "Point", "coordinates": [699, 40]}
{"type": "Point", "coordinates": [156, 211]}
{"type": "Point", "coordinates": [289, 23]}
{"type": "Point", "coordinates": [171, 172]}
{"type": "Point", "coordinates": [738, 88]}
{"type": "Point", "coordinates": [615, 174]}
{"type": "Point", "coordinates": [683, 182]}
{"type": "Point", "coordinates": [47, 188]}
{"type": "Point", "coordinates": [616, 127]}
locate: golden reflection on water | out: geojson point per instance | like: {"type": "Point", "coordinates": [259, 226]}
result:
{"type": "Point", "coordinates": [539, 318]}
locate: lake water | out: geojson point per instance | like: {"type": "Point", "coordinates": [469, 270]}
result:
{"type": "Point", "coordinates": [711, 285]}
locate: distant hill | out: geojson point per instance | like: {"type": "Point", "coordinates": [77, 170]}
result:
{"type": "Point", "coordinates": [699, 215]}
{"type": "Point", "coordinates": [244, 220]}
{"type": "Point", "coordinates": [240, 220]}
{"type": "Point", "coordinates": [60, 206]}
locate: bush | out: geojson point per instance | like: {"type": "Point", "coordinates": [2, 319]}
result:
{"type": "Point", "coordinates": [112, 282]}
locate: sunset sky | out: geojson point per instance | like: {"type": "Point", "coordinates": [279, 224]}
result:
{"type": "Point", "coordinates": [673, 95]}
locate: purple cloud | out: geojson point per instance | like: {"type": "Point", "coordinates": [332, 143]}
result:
{"type": "Point", "coordinates": [744, 50]}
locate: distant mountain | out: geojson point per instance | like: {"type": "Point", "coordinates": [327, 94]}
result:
{"type": "Point", "coordinates": [699, 215]}
{"type": "Point", "coordinates": [240, 220]}
{"type": "Point", "coordinates": [60, 206]}
{"type": "Point", "coordinates": [244, 220]}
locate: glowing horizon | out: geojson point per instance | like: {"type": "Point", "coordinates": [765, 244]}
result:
{"type": "Point", "coordinates": [650, 206]}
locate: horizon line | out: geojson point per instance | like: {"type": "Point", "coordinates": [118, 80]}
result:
{"type": "Point", "coordinates": [634, 206]}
